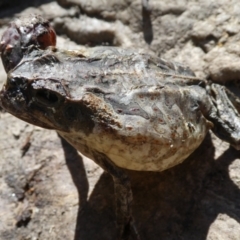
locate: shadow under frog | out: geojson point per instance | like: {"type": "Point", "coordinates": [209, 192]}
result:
{"type": "Point", "coordinates": [179, 203]}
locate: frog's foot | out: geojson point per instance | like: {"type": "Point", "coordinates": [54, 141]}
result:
{"type": "Point", "coordinates": [123, 196]}
{"type": "Point", "coordinates": [31, 30]}
{"type": "Point", "coordinates": [226, 119]}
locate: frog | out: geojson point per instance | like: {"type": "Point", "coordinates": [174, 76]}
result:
{"type": "Point", "coordinates": [123, 108]}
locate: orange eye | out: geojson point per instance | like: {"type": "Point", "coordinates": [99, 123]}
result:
{"type": "Point", "coordinates": [47, 39]}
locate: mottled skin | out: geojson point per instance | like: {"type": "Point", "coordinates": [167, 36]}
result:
{"type": "Point", "coordinates": [123, 109]}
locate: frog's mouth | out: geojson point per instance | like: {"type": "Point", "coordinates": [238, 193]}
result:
{"type": "Point", "coordinates": [14, 102]}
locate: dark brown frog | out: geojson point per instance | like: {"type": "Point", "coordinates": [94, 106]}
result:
{"type": "Point", "coordinates": [121, 108]}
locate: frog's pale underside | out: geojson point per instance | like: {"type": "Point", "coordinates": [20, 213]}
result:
{"type": "Point", "coordinates": [121, 108]}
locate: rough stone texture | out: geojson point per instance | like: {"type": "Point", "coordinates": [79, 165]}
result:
{"type": "Point", "coordinates": [48, 191]}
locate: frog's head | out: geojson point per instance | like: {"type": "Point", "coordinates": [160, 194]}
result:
{"type": "Point", "coordinates": [44, 99]}
{"type": "Point", "coordinates": [26, 31]}
{"type": "Point", "coordinates": [32, 100]}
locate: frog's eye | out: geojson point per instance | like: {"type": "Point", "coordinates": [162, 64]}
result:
{"type": "Point", "coordinates": [46, 97]}
{"type": "Point", "coordinates": [45, 36]}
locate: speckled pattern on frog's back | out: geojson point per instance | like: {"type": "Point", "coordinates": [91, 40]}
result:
{"type": "Point", "coordinates": [145, 112]}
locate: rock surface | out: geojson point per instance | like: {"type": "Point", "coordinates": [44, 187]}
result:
{"type": "Point", "coordinates": [49, 191]}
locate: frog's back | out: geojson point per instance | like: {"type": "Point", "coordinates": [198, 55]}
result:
{"type": "Point", "coordinates": [105, 68]}
{"type": "Point", "coordinates": [129, 69]}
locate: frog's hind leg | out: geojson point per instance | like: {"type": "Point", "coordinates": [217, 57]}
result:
{"type": "Point", "coordinates": [123, 197]}
{"type": "Point", "coordinates": [226, 118]}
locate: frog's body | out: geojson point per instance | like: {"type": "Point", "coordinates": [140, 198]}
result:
{"type": "Point", "coordinates": [121, 108]}
{"type": "Point", "coordinates": [141, 112]}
